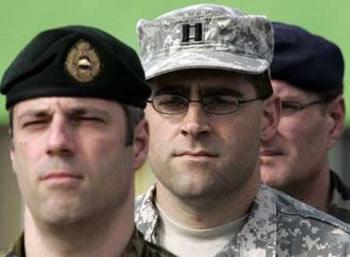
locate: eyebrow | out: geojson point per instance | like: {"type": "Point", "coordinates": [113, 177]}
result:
{"type": "Point", "coordinates": [87, 110]}
{"type": "Point", "coordinates": [75, 111]}
{"type": "Point", "coordinates": [33, 113]}
{"type": "Point", "coordinates": [220, 91]}
{"type": "Point", "coordinates": [291, 99]}
{"type": "Point", "coordinates": [173, 90]}
{"type": "Point", "coordinates": [184, 90]}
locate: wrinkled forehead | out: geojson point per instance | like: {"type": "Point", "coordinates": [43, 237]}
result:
{"type": "Point", "coordinates": [288, 91]}
{"type": "Point", "coordinates": [49, 104]}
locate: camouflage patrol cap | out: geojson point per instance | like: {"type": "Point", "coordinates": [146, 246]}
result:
{"type": "Point", "coordinates": [205, 36]}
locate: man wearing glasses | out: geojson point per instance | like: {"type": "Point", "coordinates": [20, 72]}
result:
{"type": "Point", "coordinates": [210, 109]}
{"type": "Point", "coordinates": [307, 74]}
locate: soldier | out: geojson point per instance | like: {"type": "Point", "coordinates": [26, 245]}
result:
{"type": "Point", "coordinates": [307, 74]}
{"type": "Point", "coordinates": [211, 106]}
{"type": "Point", "coordinates": [75, 97]}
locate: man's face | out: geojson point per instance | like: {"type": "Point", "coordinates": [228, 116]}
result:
{"type": "Point", "coordinates": [196, 154]}
{"type": "Point", "coordinates": [298, 152]}
{"type": "Point", "coordinates": [70, 157]}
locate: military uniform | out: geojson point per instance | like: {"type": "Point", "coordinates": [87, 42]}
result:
{"type": "Point", "coordinates": [340, 203]}
{"type": "Point", "coordinates": [79, 61]}
{"type": "Point", "coordinates": [137, 247]}
{"type": "Point", "coordinates": [277, 225]}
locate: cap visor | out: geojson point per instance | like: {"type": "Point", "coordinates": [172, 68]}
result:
{"type": "Point", "coordinates": [204, 60]}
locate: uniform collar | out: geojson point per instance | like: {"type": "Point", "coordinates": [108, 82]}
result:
{"type": "Point", "coordinates": [257, 237]}
{"type": "Point", "coordinates": [133, 249]}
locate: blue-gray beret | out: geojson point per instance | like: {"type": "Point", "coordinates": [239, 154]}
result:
{"type": "Point", "coordinates": [76, 61]}
{"type": "Point", "coordinates": [305, 60]}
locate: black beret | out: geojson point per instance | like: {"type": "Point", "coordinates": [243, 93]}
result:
{"type": "Point", "coordinates": [76, 61]}
{"type": "Point", "coordinates": [305, 60]}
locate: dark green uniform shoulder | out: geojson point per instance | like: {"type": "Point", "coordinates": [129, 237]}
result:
{"type": "Point", "coordinates": [137, 247]}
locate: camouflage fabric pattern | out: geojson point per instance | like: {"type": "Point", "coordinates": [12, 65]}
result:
{"type": "Point", "coordinates": [137, 247]}
{"type": "Point", "coordinates": [277, 225]}
{"type": "Point", "coordinates": [227, 39]}
{"type": "Point", "coordinates": [340, 202]}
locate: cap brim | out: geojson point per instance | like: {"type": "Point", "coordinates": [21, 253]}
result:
{"type": "Point", "coordinates": [204, 60]}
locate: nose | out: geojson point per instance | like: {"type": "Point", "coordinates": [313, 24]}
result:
{"type": "Point", "coordinates": [60, 138]}
{"type": "Point", "coordinates": [272, 139]}
{"type": "Point", "coordinates": [194, 122]}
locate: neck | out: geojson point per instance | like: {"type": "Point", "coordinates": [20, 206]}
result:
{"type": "Point", "coordinates": [315, 192]}
{"type": "Point", "coordinates": [201, 213]}
{"type": "Point", "coordinates": [105, 235]}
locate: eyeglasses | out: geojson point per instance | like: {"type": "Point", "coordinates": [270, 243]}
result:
{"type": "Point", "coordinates": [212, 104]}
{"type": "Point", "coordinates": [291, 107]}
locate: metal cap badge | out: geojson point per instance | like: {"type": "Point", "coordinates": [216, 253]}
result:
{"type": "Point", "coordinates": [83, 62]}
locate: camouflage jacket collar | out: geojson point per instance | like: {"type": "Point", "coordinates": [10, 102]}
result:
{"type": "Point", "coordinates": [261, 222]}
{"type": "Point", "coordinates": [277, 225]}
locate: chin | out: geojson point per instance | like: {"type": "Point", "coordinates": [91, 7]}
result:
{"type": "Point", "coordinates": [62, 213]}
{"type": "Point", "coordinates": [270, 178]}
{"type": "Point", "coordinates": [60, 218]}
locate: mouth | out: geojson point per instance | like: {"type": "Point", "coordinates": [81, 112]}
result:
{"type": "Point", "coordinates": [196, 154]}
{"type": "Point", "coordinates": [270, 153]}
{"type": "Point", "coordinates": [60, 176]}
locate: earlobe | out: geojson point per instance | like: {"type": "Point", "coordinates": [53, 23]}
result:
{"type": "Point", "coordinates": [271, 118]}
{"type": "Point", "coordinates": [140, 145]}
{"type": "Point", "coordinates": [336, 115]}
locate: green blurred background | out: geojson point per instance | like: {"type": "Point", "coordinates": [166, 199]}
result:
{"type": "Point", "coordinates": [21, 20]}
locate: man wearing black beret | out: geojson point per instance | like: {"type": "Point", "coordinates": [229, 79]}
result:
{"type": "Point", "coordinates": [307, 73]}
{"type": "Point", "coordinates": [75, 97]}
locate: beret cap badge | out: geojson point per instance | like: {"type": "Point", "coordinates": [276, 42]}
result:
{"type": "Point", "coordinates": [83, 62]}
{"type": "Point", "coordinates": [76, 61]}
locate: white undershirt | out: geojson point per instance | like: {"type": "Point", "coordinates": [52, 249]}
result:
{"type": "Point", "coordinates": [188, 242]}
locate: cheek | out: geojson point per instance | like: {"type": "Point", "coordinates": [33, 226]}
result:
{"type": "Point", "coordinates": [292, 130]}
{"type": "Point", "coordinates": [22, 153]}
{"type": "Point", "coordinates": [302, 136]}
{"type": "Point", "coordinates": [161, 133]}
{"type": "Point", "coordinates": [241, 135]}
{"type": "Point", "coordinates": [108, 160]}
{"type": "Point", "coordinates": [159, 143]}
{"type": "Point", "coordinates": [102, 146]}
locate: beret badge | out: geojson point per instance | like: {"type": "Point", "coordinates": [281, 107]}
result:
{"type": "Point", "coordinates": [83, 62]}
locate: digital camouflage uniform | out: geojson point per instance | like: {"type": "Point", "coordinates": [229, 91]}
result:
{"type": "Point", "coordinates": [137, 247]}
{"type": "Point", "coordinates": [216, 37]}
{"type": "Point", "coordinates": [340, 203]}
{"type": "Point", "coordinates": [277, 225]}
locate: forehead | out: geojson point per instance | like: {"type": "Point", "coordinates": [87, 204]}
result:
{"type": "Point", "coordinates": [285, 90]}
{"type": "Point", "coordinates": [201, 79]}
{"type": "Point", "coordinates": [50, 104]}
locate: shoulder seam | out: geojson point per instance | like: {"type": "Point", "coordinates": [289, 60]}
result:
{"type": "Point", "coordinates": [338, 225]}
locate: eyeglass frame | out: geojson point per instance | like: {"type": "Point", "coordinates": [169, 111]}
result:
{"type": "Point", "coordinates": [188, 101]}
{"type": "Point", "coordinates": [302, 106]}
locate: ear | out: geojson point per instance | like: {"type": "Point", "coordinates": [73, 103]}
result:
{"type": "Point", "coordinates": [12, 155]}
{"type": "Point", "coordinates": [271, 117]}
{"type": "Point", "coordinates": [335, 116]}
{"type": "Point", "coordinates": [140, 145]}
